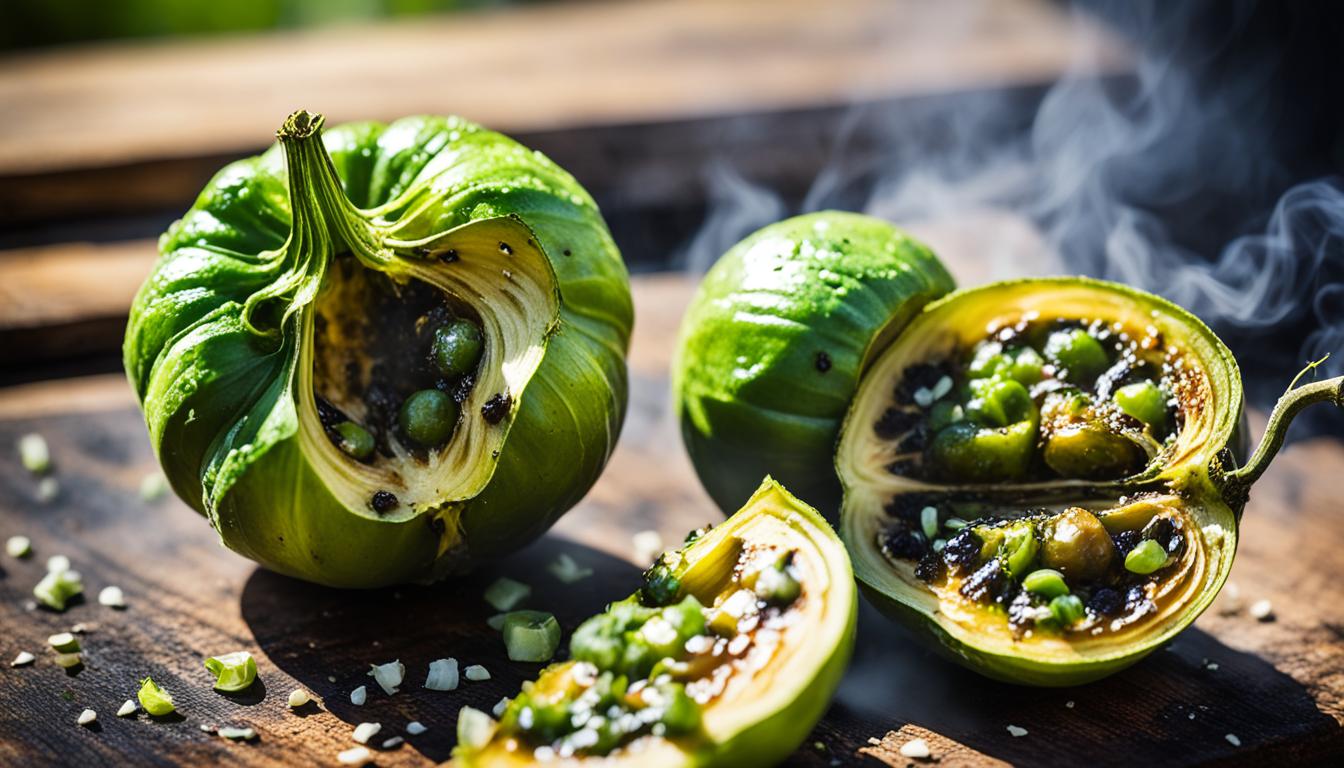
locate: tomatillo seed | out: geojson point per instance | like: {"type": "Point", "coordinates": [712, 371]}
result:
{"type": "Point", "coordinates": [355, 440]}
{"type": "Point", "coordinates": [1046, 582]}
{"type": "Point", "coordinates": [457, 347]}
{"type": "Point", "coordinates": [428, 417]}
{"type": "Point", "coordinates": [1145, 558]}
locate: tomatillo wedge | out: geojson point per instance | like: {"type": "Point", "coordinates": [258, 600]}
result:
{"type": "Point", "coordinates": [774, 343]}
{"type": "Point", "coordinates": [381, 353]}
{"type": "Point", "coordinates": [732, 666]}
{"type": "Point", "coordinates": [1121, 526]}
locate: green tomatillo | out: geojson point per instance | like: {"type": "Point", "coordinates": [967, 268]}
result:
{"type": "Point", "coordinates": [381, 353]}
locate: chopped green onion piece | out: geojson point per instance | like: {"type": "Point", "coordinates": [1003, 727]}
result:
{"type": "Point", "coordinates": [18, 546]}
{"type": "Point", "coordinates": [474, 728]}
{"type": "Point", "coordinates": [153, 699]}
{"type": "Point", "coordinates": [87, 717]}
{"type": "Point", "coordinates": [531, 636]}
{"type": "Point", "coordinates": [237, 734]}
{"type": "Point", "coordinates": [64, 642]}
{"type": "Point", "coordinates": [233, 671]}
{"type": "Point", "coordinates": [34, 454]}
{"type": "Point", "coordinates": [955, 524]}
{"type": "Point", "coordinates": [476, 673]}
{"type": "Point", "coordinates": [1147, 557]}
{"type": "Point", "coordinates": [1046, 582]}
{"type": "Point", "coordinates": [505, 594]}
{"type": "Point", "coordinates": [57, 588]}
{"type": "Point", "coordinates": [1067, 609]}
{"type": "Point", "coordinates": [928, 520]}
{"type": "Point", "coordinates": [442, 675]}
{"type": "Point", "coordinates": [388, 676]}
{"type": "Point", "coordinates": [153, 486]}
{"type": "Point", "coordinates": [567, 570]}
{"type": "Point", "coordinates": [298, 697]}
{"type": "Point", "coordinates": [23, 658]}
{"type": "Point", "coordinates": [127, 709]}
{"type": "Point", "coordinates": [68, 660]}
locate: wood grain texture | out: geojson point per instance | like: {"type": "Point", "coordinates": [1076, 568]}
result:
{"type": "Point", "coordinates": [1277, 686]}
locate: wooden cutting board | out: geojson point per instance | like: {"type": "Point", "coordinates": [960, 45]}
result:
{"type": "Point", "coordinates": [1277, 687]}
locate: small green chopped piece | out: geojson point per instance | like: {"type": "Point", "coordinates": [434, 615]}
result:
{"type": "Point", "coordinates": [153, 486]}
{"type": "Point", "coordinates": [18, 546]}
{"type": "Point", "coordinates": [928, 520]}
{"type": "Point", "coordinates": [1067, 609]}
{"type": "Point", "coordinates": [505, 594]}
{"type": "Point", "coordinates": [1143, 401]}
{"type": "Point", "coordinates": [474, 728]}
{"type": "Point", "coordinates": [64, 642]}
{"type": "Point", "coordinates": [1046, 582]}
{"type": "Point", "coordinates": [34, 454]}
{"type": "Point", "coordinates": [776, 583]}
{"type": "Point", "coordinates": [1145, 558]}
{"type": "Point", "coordinates": [1079, 356]}
{"type": "Point", "coordinates": [153, 699]}
{"type": "Point", "coordinates": [233, 671]}
{"type": "Point", "coordinates": [1019, 548]}
{"type": "Point", "coordinates": [531, 636]}
{"type": "Point", "coordinates": [68, 660]}
{"type": "Point", "coordinates": [57, 588]}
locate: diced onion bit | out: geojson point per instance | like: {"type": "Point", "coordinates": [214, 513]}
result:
{"type": "Point", "coordinates": [59, 585]}
{"type": "Point", "coordinates": [392, 743]}
{"type": "Point", "coordinates": [153, 486]}
{"type": "Point", "coordinates": [112, 597]}
{"type": "Point", "coordinates": [365, 731]}
{"type": "Point", "coordinates": [153, 699]}
{"type": "Point", "coordinates": [68, 660]}
{"type": "Point", "coordinates": [1233, 740]}
{"type": "Point", "coordinates": [415, 728]}
{"type": "Point", "coordinates": [237, 734]}
{"type": "Point", "coordinates": [127, 709]}
{"type": "Point", "coordinates": [355, 756]}
{"type": "Point", "coordinates": [18, 546]}
{"type": "Point", "coordinates": [505, 594]}
{"type": "Point", "coordinates": [358, 696]}
{"type": "Point", "coordinates": [474, 728]}
{"type": "Point", "coordinates": [23, 658]}
{"type": "Point", "coordinates": [531, 636]}
{"type": "Point", "coordinates": [917, 749]}
{"type": "Point", "coordinates": [648, 545]}
{"type": "Point", "coordinates": [567, 570]}
{"type": "Point", "coordinates": [48, 489]}
{"type": "Point", "coordinates": [64, 642]}
{"type": "Point", "coordinates": [476, 673]}
{"type": "Point", "coordinates": [34, 454]}
{"type": "Point", "coordinates": [1016, 731]}
{"type": "Point", "coordinates": [500, 706]}
{"type": "Point", "coordinates": [442, 675]}
{"type": "Point", "coordinates": [388, 676]}
{"type": "Point", "coordinates": [87, 717]}
{"type": "Point", "coordinates": [298, 697]}
{"type": "Point", "coordinates": [233, 671]}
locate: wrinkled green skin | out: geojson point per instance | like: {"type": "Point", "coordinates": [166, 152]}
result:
{"type": "Point", "coordinates": [778, 298]}
{"type": "Point", "coordinates": [210, 387]}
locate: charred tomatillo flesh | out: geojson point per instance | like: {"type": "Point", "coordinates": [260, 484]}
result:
{"type": "Point", "coordinates": [1116, 525]}
{"type": "Point", "coordinates": [774, 343]}
{"type": "Point", "coordinates": [727, 655]}
{"type": "Point", "coordinates": [381, 353]}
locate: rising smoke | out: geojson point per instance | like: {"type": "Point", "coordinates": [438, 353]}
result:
{"type": "Point", "coordinates": [1165, 179]}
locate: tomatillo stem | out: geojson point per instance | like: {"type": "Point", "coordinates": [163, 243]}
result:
{"type": "Point", "coordinates": [1289, 405]}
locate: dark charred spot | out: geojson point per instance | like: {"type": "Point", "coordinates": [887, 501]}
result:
{"type": "Point", "coordinates": [823, 362]}
{"type": "Point", "coordinates": [1105, 602]}
{"type": "Point", "coordinates": [497, 407]}
{"type": "Point", "coordinates": [436, 525]}
{"type": "Point", "coordinates": [421, 251]}
{"type": "Point", "coordinates": [930, 567]}
{"type": "Point", "coordinates": [988, 584]}
{"type": "Point", "coordinates": [568, 252]}
{"type": "Point", "coordinates": [1166, 533]}
{"type": "Point", "coordinates": [328, 414]}
{"type": "Point", "coordinates": [918, 376]}
{"type": "Point", "coordinates": [1125, 541]}
{"type": "Point", "coordinates": [905, 544]}
{"type": "Point", "coordinates": [460, 389]}
{"type": "Point", "coordinates": [449, 256]}
{"type": "Point", "coordinates": [893, 422]}
{"type": "Point", "coordinates": [506, 249]}
{"type": "Point", "coordinates": [907, 506]}
{"type": "Point", "coordinates": [901, 467]}
{"type": "Point", "coordinates": [963, 549]}
{"type": "Point", "coordinates": [383, 502]}
{"type": "Point", "coordinates": [1022, 611]}
{"type": "Point", "coordinates": [1136, 600]}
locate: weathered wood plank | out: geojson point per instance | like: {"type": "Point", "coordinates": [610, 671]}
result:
{"type": "Point", "coordinates": [1278, 686]}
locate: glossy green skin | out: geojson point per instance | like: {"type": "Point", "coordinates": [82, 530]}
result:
{"type": "Point", "coordinates": [1199, 484]}
{"type": "Point", "coordinates": [748, 391]}
{"type": "Point", "coordinates": [217, 397]}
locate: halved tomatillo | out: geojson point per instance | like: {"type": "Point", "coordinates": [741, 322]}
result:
{"type": "Point", "coordinates": [727, 655]}
{"type": "Point", "coordinates": [383, 352]}
{"type": "Point", "coordinates": [1040, 475]}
